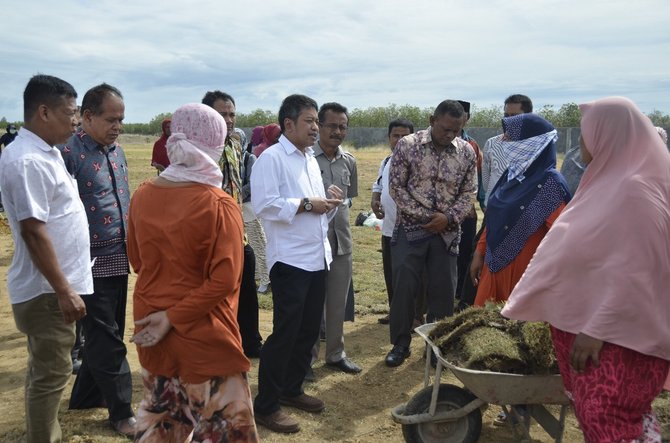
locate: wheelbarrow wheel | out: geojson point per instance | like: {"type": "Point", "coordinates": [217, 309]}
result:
{"type": "Point", "coordinates": [450, 397]}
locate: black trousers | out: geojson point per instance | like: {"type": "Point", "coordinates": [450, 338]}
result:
{"type": "Point", "coordinates": [465, 249]}
{"type": "Point", "coordinates": [387, 264]}
{"type": "Point", "coordinates": [468, 291]}
{"type": "Point", "coordinates": [298, 298]}
{"type": "Point", "coordinates": [104, 377]}
{"type": "Point", "coordinates": [247, 311]}
{"type": "Point", "coordinates": [412, 263]}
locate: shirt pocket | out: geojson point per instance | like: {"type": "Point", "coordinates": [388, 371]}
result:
{"type": "Point", "coordinates": [346, 178]}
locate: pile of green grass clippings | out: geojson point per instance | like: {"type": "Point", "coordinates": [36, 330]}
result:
{"type": "Point", "coordinates": [484, 340]}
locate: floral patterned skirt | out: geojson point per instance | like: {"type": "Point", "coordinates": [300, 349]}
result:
{"type": "Point", "coordinates": [613, 401]}
{"type": "Point", "coordinates": [173, 411]}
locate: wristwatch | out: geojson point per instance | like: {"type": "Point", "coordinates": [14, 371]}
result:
{"type": "Point", "coordinates": [306, 204]}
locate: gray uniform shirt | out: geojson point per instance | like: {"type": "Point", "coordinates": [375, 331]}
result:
{"type": "Point", "coordinates": [340, 171]}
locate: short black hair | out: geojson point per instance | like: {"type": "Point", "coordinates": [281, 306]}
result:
{"type": "Point", "coordinates": [333, 107]}
{"type": "Point", "coordinates": [402, 122]}
{"type": "Point", "coordinates": [451, 108]}
{"type": "Point", "coordinates": [95, 96]}
{"type": "Point", "coordinates": [523, 100]}
{"type": "Point", "coordinates": [44, 89]}
{"type": "Point", "coordinates": [292, 106]}
{"type": "Point", "coordinates": [212, 96]}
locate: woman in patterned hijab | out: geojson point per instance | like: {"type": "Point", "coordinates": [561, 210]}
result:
{"type": "Point", "coordinates": [525, 202]}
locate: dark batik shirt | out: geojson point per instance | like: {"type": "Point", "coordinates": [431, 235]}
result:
{"type": "Point", "coordinates": [102, 177]}
{"type": "Point", "coordinates": [423, 181]}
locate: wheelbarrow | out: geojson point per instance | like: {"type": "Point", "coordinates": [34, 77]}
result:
{"type": "Point", "coordinates": [448, 413]}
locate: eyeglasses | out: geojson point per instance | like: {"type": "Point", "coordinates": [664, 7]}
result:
{"type": "Point", "coordinates": [334, 127]}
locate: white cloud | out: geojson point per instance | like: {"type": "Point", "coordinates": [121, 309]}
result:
{"type": "Point", "coordinates": [164, 54]}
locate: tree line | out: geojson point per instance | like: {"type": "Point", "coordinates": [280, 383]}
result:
{"type": "Point", "coordinates": [566, 116]}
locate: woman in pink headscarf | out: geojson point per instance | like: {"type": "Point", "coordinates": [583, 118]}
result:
{"type": "Point", "coordinates": [185, 243]}
{"type": "Point", "coordinates": [601, 275]}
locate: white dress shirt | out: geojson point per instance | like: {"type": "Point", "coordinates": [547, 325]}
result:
{"type": "Point", "coordinates": [35, 184]}
{"type": "Point", "coordinates": [281, 178]}
{"type": "Point", "coordinates": [388, 205]}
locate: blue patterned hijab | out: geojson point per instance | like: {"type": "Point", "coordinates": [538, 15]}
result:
{"type": "Point", "coordinates": [528, 192]}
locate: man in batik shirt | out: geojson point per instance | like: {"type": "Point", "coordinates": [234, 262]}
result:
{"type": "Point", "coordinates": [433, 178]}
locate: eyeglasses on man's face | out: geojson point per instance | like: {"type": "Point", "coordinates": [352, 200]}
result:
{"type": "Point", "coordinates": [334, 127]}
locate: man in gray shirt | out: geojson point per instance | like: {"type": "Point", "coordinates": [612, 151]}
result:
{"type": "Point", "coordinates": [338, 168]}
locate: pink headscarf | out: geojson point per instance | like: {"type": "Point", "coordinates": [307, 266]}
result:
{"type": "Point", "coordinates": [196, 145]}
{"type": "Point", "coordinates": [604, 267]}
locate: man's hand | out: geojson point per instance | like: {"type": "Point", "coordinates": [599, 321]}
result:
{"type": "Point", "coordinates": [583, 348]}
{"type": "Point", "coordinates": [71, 305]}
{"type": "Point", "coordinates": [156, 326]}
{"type": "Point", "coordinates": [438, 223]}
{"type": "Point", "coordinates": [43, 255]}
{"type": "Point", "coordinates": [335, 192]}
{"type": "Point", "coordinates": [476, 267]}
{"type": "Point", "coordinates": [376, 205]}
{"type": "Point", "coordinates": [323, 205]}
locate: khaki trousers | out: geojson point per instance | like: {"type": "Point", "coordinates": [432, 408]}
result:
{"type": "Point", "coordinates": [50, 340]}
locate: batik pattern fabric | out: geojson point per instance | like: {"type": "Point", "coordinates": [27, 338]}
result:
{"type": "Point", "coordinates": [218, 410]}
{"type": "Point", "coordinates": [230, 168]}
{"type": "Point", "coordinates": [613, 401]}
{"type": "Point", "coordinates": [102, 179]}
{"type": "Point", "coordinates": [424, 181]}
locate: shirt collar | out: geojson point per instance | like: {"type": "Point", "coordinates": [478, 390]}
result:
{"type": "Point", "coordinates": [318, 150]}
{"type": "Point", "coordinates": [35, 139]}
{"type": "Point", "coordinates": [290, 148]}
{"type": "Point", "coordinates": [91, 144]}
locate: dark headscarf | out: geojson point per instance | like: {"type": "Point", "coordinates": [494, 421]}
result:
{"type": "Point", "coordinates": [159, 154]}
{"type": "Point", "coordinates": [518, 207]}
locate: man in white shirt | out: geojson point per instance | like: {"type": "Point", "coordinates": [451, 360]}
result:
{"type": "Point", "coordinates": [51, 265]}
{"type": "Point", "coordinates": [495, 161]}
{"type": "Point", "coordinates": [288, 196]}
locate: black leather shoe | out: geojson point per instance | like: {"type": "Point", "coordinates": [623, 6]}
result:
{"type": "Point", "coordinates": [346, 365]}
{"type": "Point", "coordinates": [397, 356]}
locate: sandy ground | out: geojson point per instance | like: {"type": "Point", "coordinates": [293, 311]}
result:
{"type": "Point", "coordinates": [358, 406]}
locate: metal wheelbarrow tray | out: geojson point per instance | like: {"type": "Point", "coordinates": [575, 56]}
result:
{"type": "Point", "coordinates": [449, 413]}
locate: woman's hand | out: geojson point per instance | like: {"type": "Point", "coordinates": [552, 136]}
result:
{"type": "Point", "coordinates": [583, 348]}
{"type": "Point", "coordinates": [476, 267]}
{"type": "Point", "coordinates": [156, 326]}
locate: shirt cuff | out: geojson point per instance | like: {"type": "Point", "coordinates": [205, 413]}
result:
{"type": "Point", "coordinates": [290, 210]}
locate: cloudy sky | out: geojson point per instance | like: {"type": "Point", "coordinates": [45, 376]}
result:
{"type": "Point", "coordinates": [362, 53]}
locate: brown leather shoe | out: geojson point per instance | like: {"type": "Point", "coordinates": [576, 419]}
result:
{"type": "Point", "coordinates": [278, 421]}
{"type": "Point", "coordinates": [125, 427]}
{"type": "Point", "coordinates": [303, 402]}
